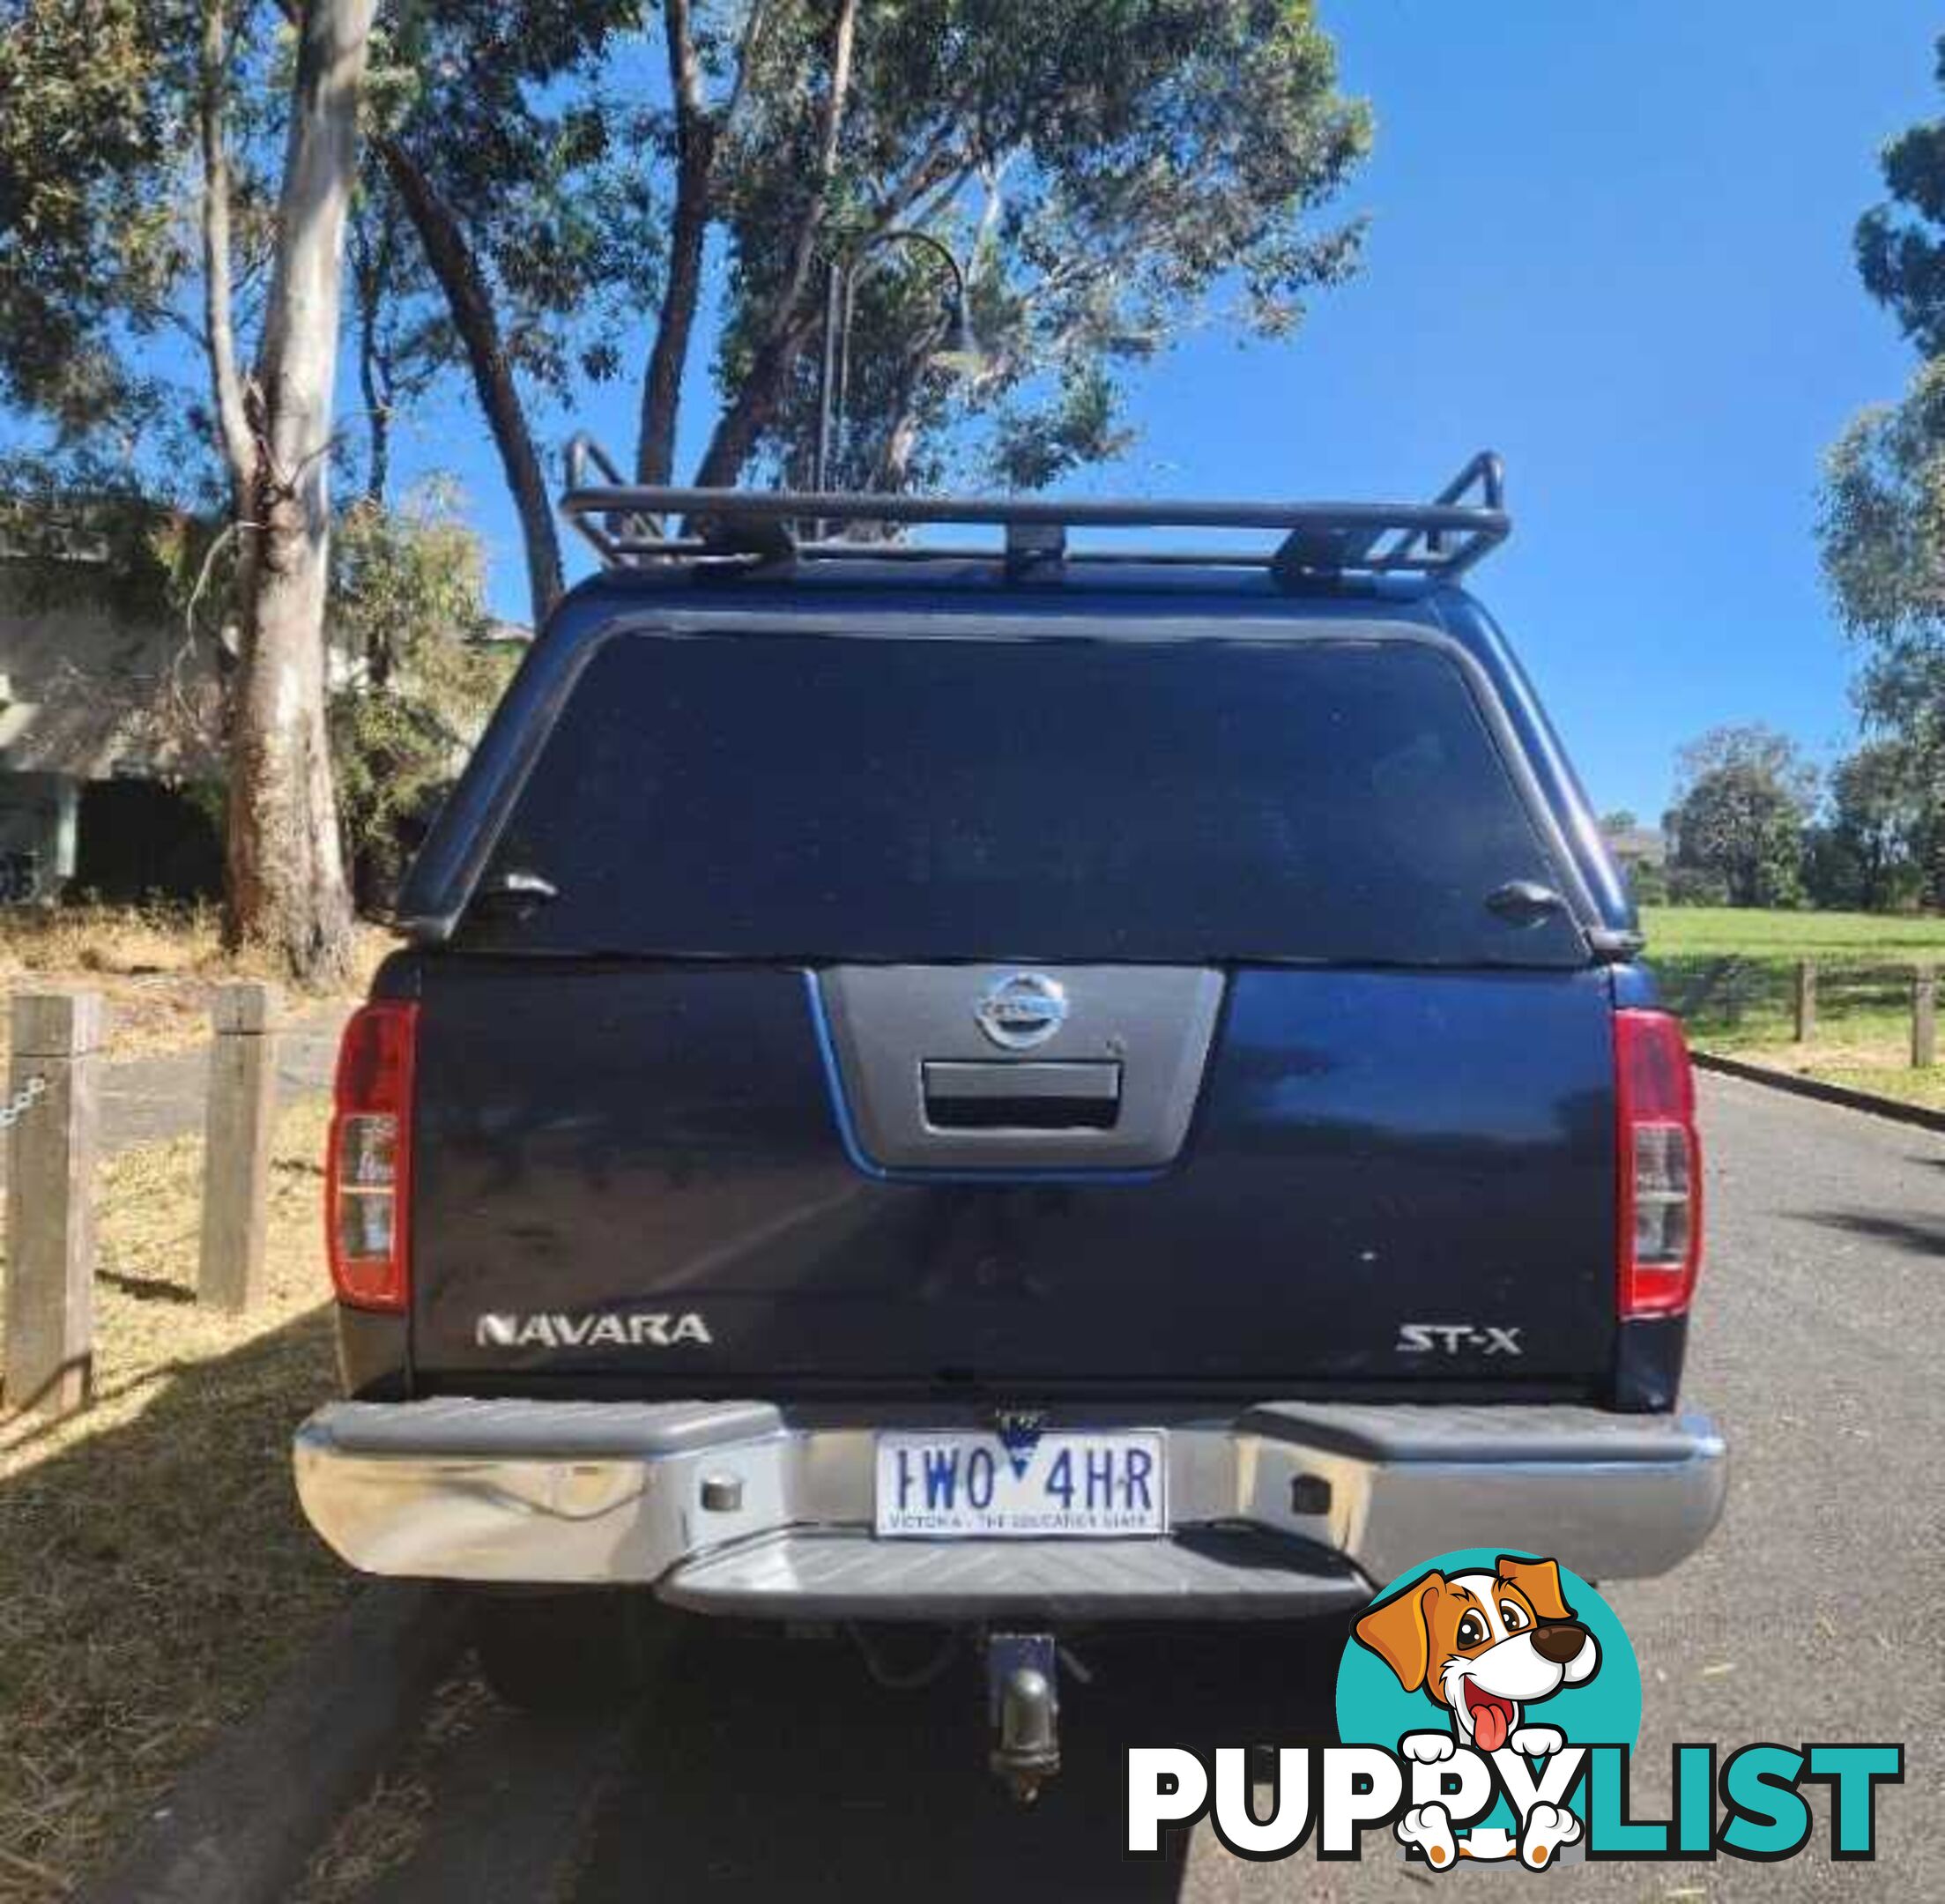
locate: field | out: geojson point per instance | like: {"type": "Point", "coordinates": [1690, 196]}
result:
{"type": "Point", "coordinates": [1732, 975]}
{"type": "Point", "coordinates": [1684, 932]}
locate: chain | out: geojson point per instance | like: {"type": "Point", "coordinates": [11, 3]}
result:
{"type": "Point", "coordinates": [23, 1101]}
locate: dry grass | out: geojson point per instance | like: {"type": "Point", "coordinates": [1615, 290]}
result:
{"type": "Point", "coordinates": [155, 1573]}
{"type": "Point", "coordinates": [157, 966]}
{"type": "Point", "coordinates": [1881, 1064]}
{"type": "Point", "coordinates": [384, 1828]}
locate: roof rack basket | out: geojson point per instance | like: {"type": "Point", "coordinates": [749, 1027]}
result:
{"type": "Point", "coordinates": [629, 523]}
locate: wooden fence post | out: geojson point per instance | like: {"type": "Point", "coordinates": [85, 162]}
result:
{"type": "Point", "coordinates": [53, 1098]}
{"type": "Point", "coordinates": [1805, 1000]}
{"type": "Point", "coordinates": [1924, 1017]}
{"type": "Point", "coordinates": [236, 1151]}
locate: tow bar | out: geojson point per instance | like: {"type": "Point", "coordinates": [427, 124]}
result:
{"type": "Point", "coordinates": [1023, 1708]}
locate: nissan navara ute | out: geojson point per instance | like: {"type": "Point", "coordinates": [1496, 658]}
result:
{"type": "Point", "coordinates": [1043, 1077]}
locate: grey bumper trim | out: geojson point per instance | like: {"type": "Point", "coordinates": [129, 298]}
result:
{"type": "Point", "coordinates": [1206, 1573]}
{"type": "Point", "coordinates": [681, 1495]}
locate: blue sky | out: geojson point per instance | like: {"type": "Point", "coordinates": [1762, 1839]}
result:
{"type": "Point", "coordinates": [1615, 244]}
{"type": "Point", "coordinates": [1612, 242]}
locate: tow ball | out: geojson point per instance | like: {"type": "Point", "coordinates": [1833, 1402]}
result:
{"type": "Point", "coordinates": [1023, 1709]}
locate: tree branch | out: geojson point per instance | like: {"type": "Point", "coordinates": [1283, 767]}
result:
{"type": "Point", "coordinates": [468, 297]}
{"type": "Point", "coordinates": [754, 23]}
{"type": "Point", "coordinates": [219, 319]}
{"type": "Point", "coordinates": [696, 136]}
{"type": "Point", "coordinates": [375, 383]}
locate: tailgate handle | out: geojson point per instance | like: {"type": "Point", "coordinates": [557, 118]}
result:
{"type": "Point", "coordinates": [1013, 1097]}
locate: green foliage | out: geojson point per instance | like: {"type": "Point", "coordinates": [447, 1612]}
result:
{"type": "Point", "coordinates": [1111, 174]}
{"type": "Point", "coordinates": [89, 243]}
{"type": "Point", "coordinates": [1871, 852]}
{"type": "Point", "coordinates": [143, 555]}
{"type": "Point", "coordinates": [550, 169]}
{"type": "Point", "coordinates": [1882, 526]}
{"type": "Point", "coordinates": [549, 175]}
{"type": "Point", "coordinates": [1111, 171]}
{"type": "Point", "coordinates": [1881, 532]}
{"type": "Point", "coordinates": [1648, 882]}
{"type": "Point", "coordinates": [409, 630]}
{"type": "Point", "coordinates": [1743, 797]}
{"type": "Point", "coordinates": [1901, 244]}
{"type": "Point", "coordinates": [1883, 545]}
{"type": "Point", "coordinates": [1689, 885]}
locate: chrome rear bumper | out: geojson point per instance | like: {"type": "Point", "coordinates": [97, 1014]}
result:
{"type": "Point", "coordinates": [746, 1507]}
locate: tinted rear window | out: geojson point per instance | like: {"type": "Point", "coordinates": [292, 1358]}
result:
{"type": "Point", "coordinates": [765, 796]}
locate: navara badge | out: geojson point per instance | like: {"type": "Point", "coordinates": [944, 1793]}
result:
{"type": "Point", "coordinates": [1021, 1010]}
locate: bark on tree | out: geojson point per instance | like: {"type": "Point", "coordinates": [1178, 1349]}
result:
{"type": "Point", "coordinates": [470, 301]}
{"type": "Point", "coordinates": [695, 140]}
{"type": "Point", "coordinates": [287, 886]}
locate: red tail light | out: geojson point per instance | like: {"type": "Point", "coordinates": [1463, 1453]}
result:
{"type": "Point", "coordinates": [1660, 1159]}
{"type": "Point", "coordinates": [367, 1177]}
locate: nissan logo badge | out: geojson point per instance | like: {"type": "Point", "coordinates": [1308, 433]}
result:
{"type": "Point", "coordinates": [1021, 1010]}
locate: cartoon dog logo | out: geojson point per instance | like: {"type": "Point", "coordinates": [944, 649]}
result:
{"type": "Point", "coordinates": [1485, 1646]}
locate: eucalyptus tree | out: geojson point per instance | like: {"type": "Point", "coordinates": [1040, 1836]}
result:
{"type": "Point", "coordinates": [1109, 172]}
{"type": "Point", "coordinates": [512, 144]}
{"type": "Point", "coordinates": [1882, 523]}
{"type": "Point", "coordinates": [285, 884]}
{"type": "Point", "coordinates": [108, 108]}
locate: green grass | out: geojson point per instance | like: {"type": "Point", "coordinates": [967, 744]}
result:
{"type": "Point", "coordinates": [1723, 932]}
{"type": "Point", "coordinates": [1732, 974]}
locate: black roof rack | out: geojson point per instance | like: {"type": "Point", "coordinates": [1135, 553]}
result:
{"type": "Point", "coordinates": [1314, 542]}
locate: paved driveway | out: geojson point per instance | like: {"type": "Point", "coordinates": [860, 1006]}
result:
{"type": "Point", "coordinates": [765, 1771]}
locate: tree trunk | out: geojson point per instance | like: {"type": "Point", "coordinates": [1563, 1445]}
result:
{"type": "Point", "coordinates": [470, 304]}
{"type": "Point", "coordinates": [286, 887]}
{"type": "Point", "coordinates": [740, 425]}
{"type": "Point", "coordinates": [695, 138]}
{"type": "Point", "coordinates": [661, 386]}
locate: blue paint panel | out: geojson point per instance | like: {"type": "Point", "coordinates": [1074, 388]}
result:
{"type": "Point", "coordinates": [1372, 1148]}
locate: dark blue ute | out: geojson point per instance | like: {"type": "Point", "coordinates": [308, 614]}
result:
{"type": "Point", "coordinates": [848, 968]}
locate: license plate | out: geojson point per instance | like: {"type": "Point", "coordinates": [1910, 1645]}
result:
{"type": "Point", "coordinates": [955, 1486]}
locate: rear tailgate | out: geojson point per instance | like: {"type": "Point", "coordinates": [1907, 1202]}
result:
{"type": "Point", "coordinates": [733, 1110]}
{"type": "Point", "coordinates": [1391, 1177]}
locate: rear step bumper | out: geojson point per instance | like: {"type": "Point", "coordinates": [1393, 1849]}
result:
{"type": "Point", "coordinates": [1216, 1573]}
{"type": "Point", "coordinates": [739, 1508]}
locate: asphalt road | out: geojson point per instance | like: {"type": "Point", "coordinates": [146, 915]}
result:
{"type": "Point", "coordinates": [761, 1770]}
{"type": "Point", "coordinates": [145, 1099]}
